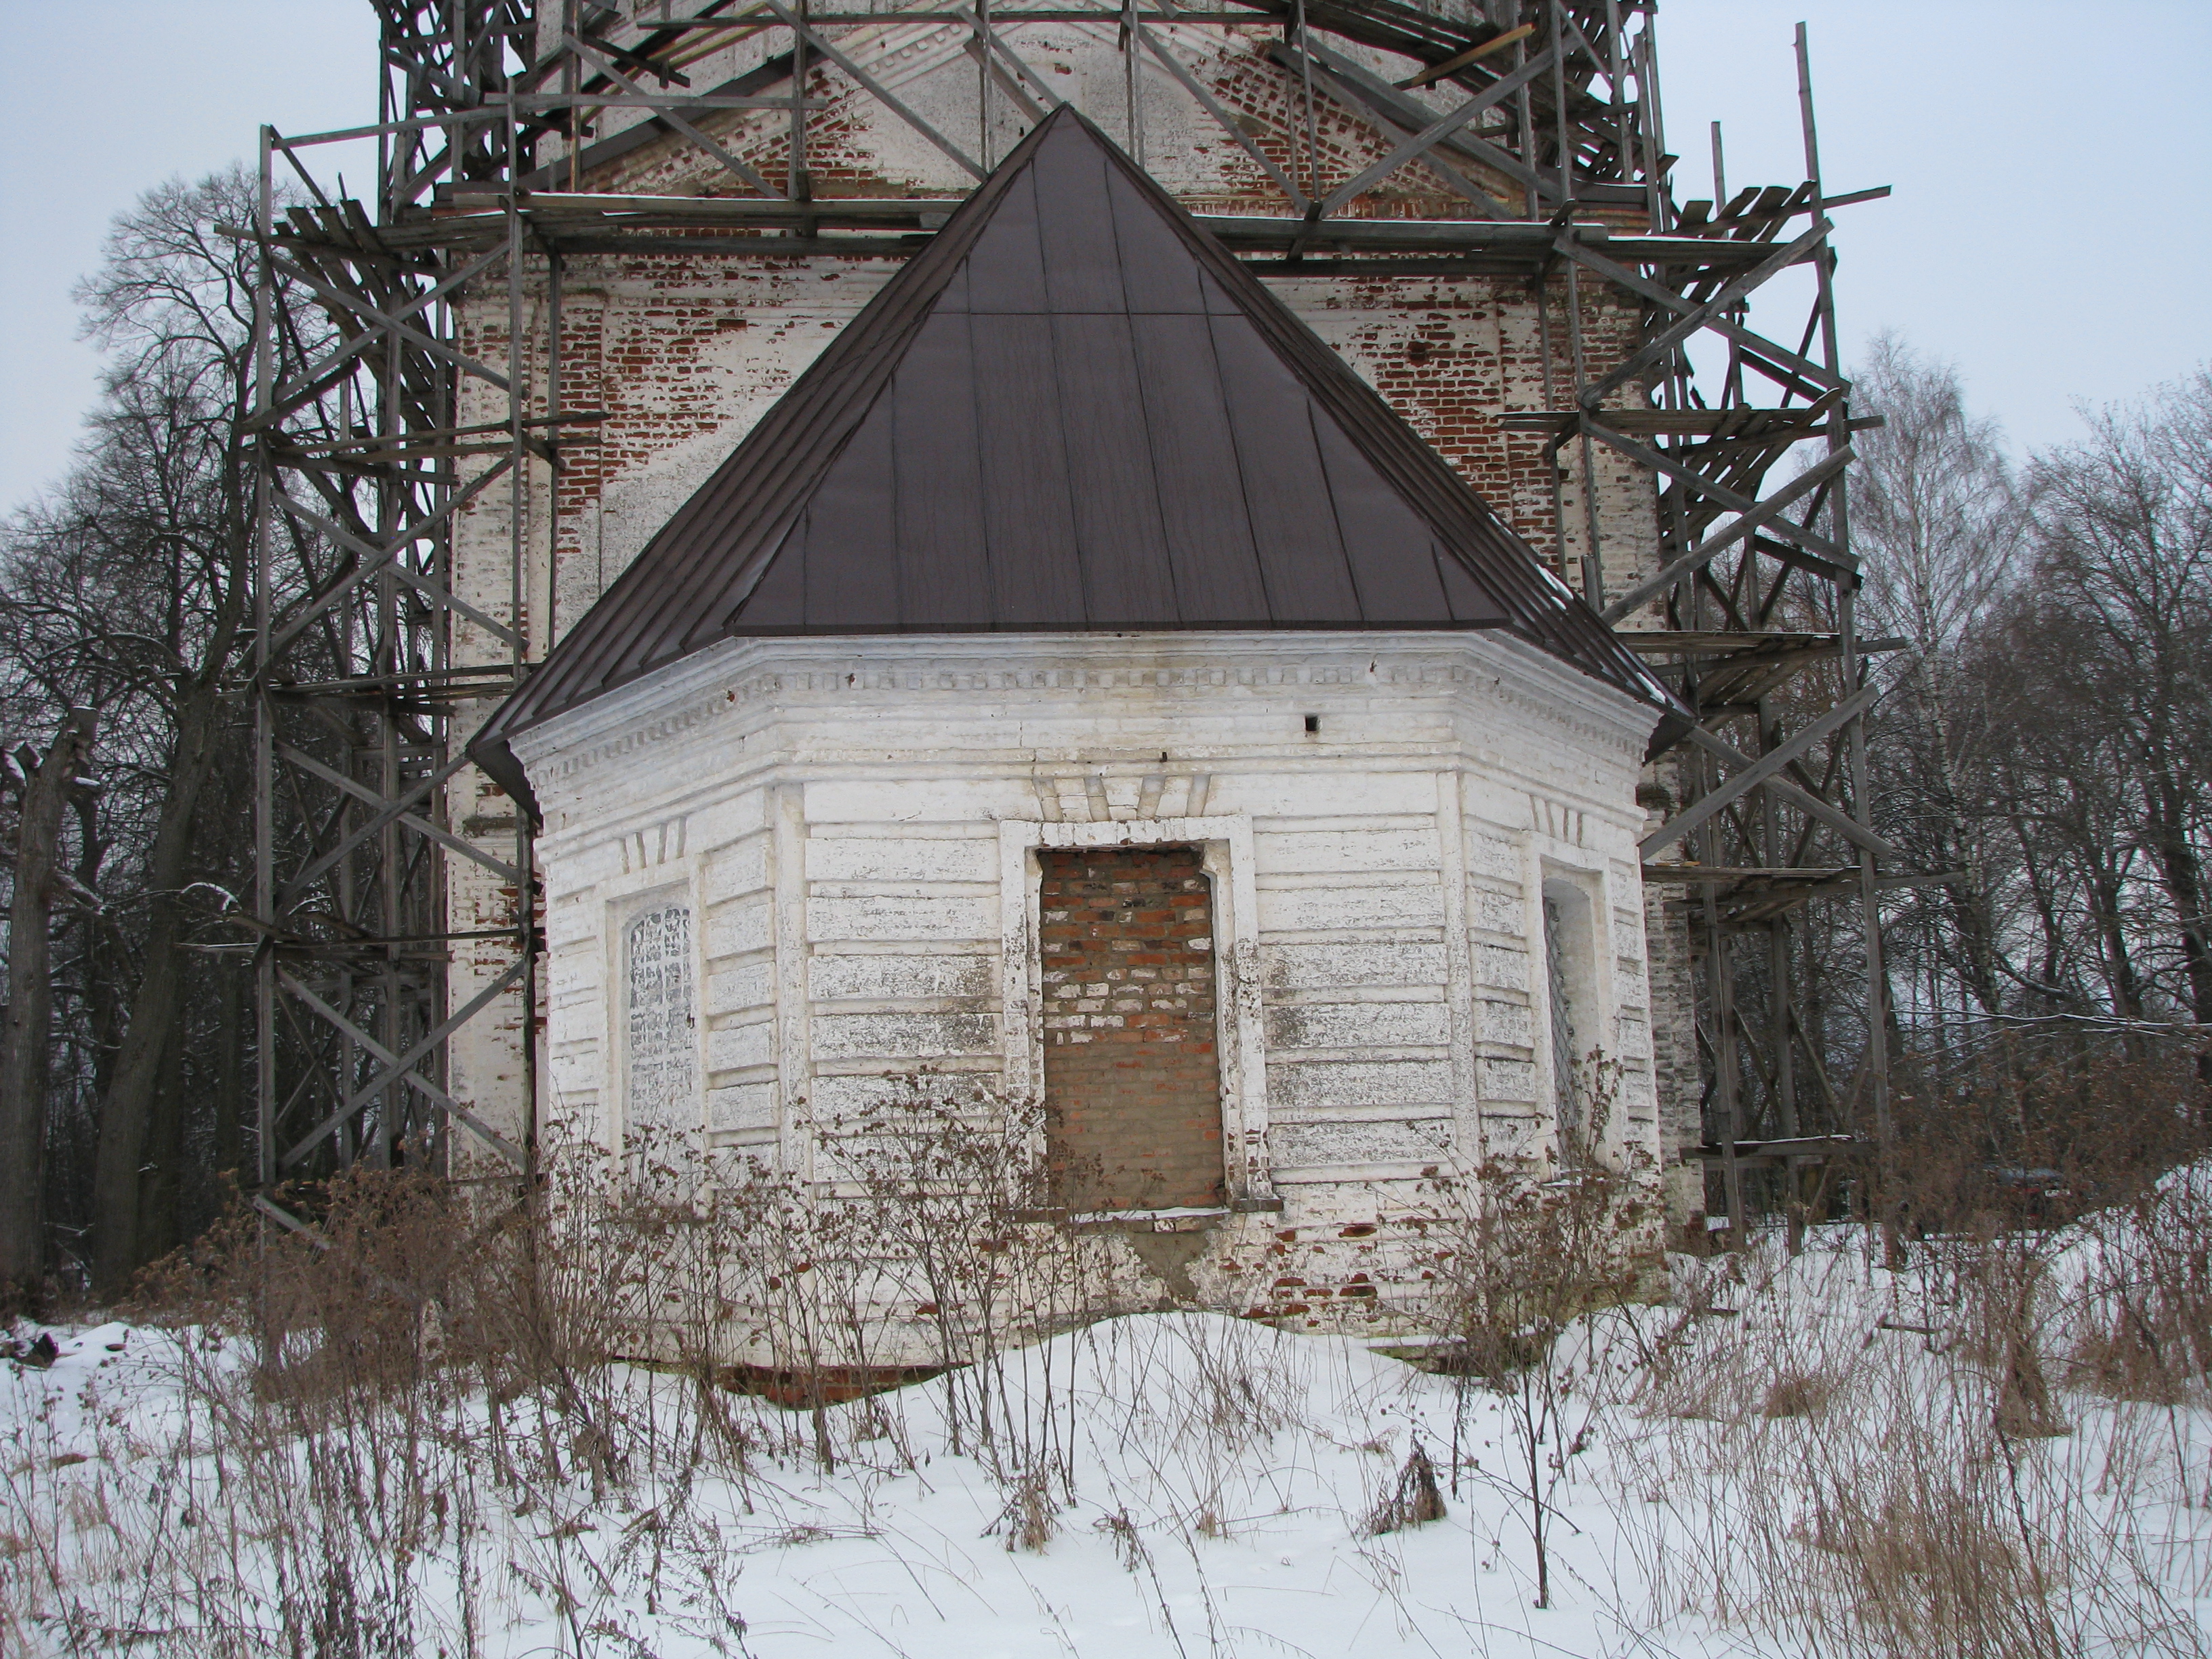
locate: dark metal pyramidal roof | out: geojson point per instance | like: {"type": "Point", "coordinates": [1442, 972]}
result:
{"type": "Point", "coordinates": [1073, 412]}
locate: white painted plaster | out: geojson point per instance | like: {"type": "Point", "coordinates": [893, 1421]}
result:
{"type": "Point", "coordinates": [857, 820]}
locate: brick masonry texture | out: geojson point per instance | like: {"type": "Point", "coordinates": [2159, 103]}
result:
{"type": "Point", "coordinates": [1132, 1078]}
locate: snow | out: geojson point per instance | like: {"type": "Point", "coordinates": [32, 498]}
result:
{"type": "Point", "coordinates": [1209, 1482]}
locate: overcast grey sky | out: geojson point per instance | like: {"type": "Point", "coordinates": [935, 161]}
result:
{"type": "Point", "coordinates": [2048, 234]}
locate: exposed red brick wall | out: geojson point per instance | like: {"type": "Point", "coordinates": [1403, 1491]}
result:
{"type": "Point", "coordinates": [1132, 1078]}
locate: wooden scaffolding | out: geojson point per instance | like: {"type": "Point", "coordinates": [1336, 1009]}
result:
{"type": "Point", "coordinates": [493, 112]}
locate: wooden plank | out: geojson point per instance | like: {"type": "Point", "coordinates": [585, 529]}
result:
{"type": "Point", "coordinates": [1419, 143]}
{"type": "Point", "coordinates": [1691, 642]}
{"type": "Point", "coordinates": [1680, 329]}
{"type": "Point", "coordinates": [1713, 489]}
{"type": "Point", "coordinates": [661, 112]}
{"type": "Point", "coordinates": [1804, 799]}
{"type": "Point", "coordinates": [1223, 118]}
{"type": "Point", "coordinates": [1756, 346]}
{"type": "Point", "coordinates": [1522, 246]}
{"type": "Point", "coordinates": [1471, 56]}
{"type": "Point", "coordinates": [881, 93]}
{"type": "Point", "coordinates": [1771, 1152]}
{"type": "Point", "coordinates": [560, 206]}
{"type": "Point", "coordinates": [597, 101]}
{"type": "Point", "coordinates": [1749, 518]}
{"type": "Point", "coordinates": [1798, 558]}
{"type": "Point", "coordinates": [1711, 875]}
{"type": "Point", "coordinates": [1029, 89]}
{"type": "Point", "coordinates": [1672, 422]}
{"type": "Point", "coordinates": [1359, 88]}
{"type": "Point", "coordinates": [1767, 766]}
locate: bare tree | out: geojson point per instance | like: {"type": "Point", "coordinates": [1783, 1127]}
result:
{"type": "Point", "coordinates": [24, 1039]}
{"type": "Point", "coordinates": [1944, 530]}
{"type": "Point", "coordinates": [2041, 743]}
{"type": "Point", "coordinates": [2115, 623]}
{"type": "Point", "coordinates": [127, 590]}
{"type": "Point", "coordinates": [174, 301]}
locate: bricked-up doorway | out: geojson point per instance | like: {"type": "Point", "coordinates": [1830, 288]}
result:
{"type": "Point", "coordinates": [1132, 1072]}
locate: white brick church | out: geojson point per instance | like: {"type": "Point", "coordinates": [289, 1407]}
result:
{"type": "Point", "coordinates": [1081, 682]}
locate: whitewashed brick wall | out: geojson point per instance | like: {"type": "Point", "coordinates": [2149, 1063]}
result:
{"type": "Point", "coordinates": [837, 810]}
{"type": "Point", "coordinates": [683, 353]}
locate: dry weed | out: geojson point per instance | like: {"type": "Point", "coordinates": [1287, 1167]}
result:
{"type": "Point", "coordinates": [401, 1421]}
{"type": "Point", "coordinates": [1415, 1501]}
{"type": "Point", "coordinates": [1797, 1394]}
{"type": "Point", "coordinates": [1857, 1481]}
{"type": "Point", "coordinates": [1031, 1517]}
{"type": "Point", "coordinates": [1524, 1256]}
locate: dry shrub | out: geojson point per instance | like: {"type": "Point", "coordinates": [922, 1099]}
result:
{"type": "Point", "coordinates": [2024, 1135]}
{"type": "Point", "coordinates": [1031, 1517]}
{"type": "Point", "coordinates": [1796, 1394]}
{"type": "Point", "coordinates": [1120, 1527]}
{"type": "Point", "coordinates": [322, 1370]}
{"type": "Point", "coordinates": [1928, 1566]}
{"type": "Point", "coordinates": [2115, 1355]}
{"type": "Point", "coordinates": [1857, 1481]}
{"type": "Point", "coordinates": [342, 1303]}
{"type": "Point", "coordinates": [1194, 1403]}
{"type": "Point", "coordinates": [1415, 1501]}
{"type": "Point", "coordinates": [2004, 1282]}
{"type": "Point", "coordinates": [1521, 1252]}
{"type": "Point", "coordinates": [413, 1403]}
{"type": "Point", "coordinates": [947, 1183]}
{"type": "Point", "coordinates": [2143, 1317]}
{"type": "Point", "coordinates": [2005, 1145]}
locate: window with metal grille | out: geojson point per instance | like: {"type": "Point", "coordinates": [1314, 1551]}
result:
{"type": "Point", "coordinates": [1566, 1098]}
{"type": "Point", "coordinates": [663, 1092]}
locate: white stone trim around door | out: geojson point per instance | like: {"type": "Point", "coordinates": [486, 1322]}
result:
{"type": "Point", "coordinates": [1225, 847]}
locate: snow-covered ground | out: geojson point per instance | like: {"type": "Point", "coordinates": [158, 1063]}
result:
{"type": "Point", "coordinates": [1732, 1475]}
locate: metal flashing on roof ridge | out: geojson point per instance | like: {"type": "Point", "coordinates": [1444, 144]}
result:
{"type": "Point", "coordinates": [1073, 412]}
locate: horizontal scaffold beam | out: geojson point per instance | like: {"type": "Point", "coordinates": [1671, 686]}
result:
{"type": "Point", "coordinates": [1794, 1148]}
{"type": "Point", "coordinates": [738, 226]}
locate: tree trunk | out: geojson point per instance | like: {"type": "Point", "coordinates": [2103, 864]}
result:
{"type": "Point", "coordinates": [2183, 876]}
{"type": "Point", "coordinates": [161, 1174]}
{"type": "Point", "coordinates": [235, 1125]}
{"type": "Point", "coordinates": [103, 952]}
{"type": "Point", "coordinates": [24, 1056]}
{"type": "Point", "coordinates": [127, 1115]}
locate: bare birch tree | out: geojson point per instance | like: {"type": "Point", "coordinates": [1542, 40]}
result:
{"type": "Point", "coordinates": [1943, 530]}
